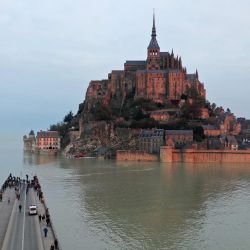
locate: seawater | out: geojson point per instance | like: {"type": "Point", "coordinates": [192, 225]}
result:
{"type": "Point", "coordinates": [99, 204]}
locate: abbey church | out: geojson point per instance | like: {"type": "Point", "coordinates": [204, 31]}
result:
{"type": "Point", "coordinates": [160, 78]}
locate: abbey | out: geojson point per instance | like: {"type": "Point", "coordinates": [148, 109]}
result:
{"type": "Point", "coordinates": [160, 78]}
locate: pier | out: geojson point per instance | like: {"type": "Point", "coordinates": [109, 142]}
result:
{"type": "Point", "coordinates": [19, 228]}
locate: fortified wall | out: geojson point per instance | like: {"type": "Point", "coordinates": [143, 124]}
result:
{"type": "Point", "coordinates": [128, 155]}
{"type": "Point", "coordinates": [168, 154]}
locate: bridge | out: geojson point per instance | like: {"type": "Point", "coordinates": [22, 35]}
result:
{"type": "Point", "coordinates": [18, 229]}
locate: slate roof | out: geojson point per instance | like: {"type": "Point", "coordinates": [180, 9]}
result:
{"type": "Point", "coordinates": [117, 72]}
{"type": "Point", "coordinates": [164, 54]}
{"type": "Point", "coordinates": [153, 43]}
{"type": "Point", "coordinates": [151, 71]}
{"type": "Point", "coordinates": [176, 132]}
{"type": "Point", "coordinates": [210, 127]}
{"type": "Point", "coordinates": [152, 133]}
{"type": "Point", "coordinates": [230, 139]}
{"type": "Point", "coordinates": [48, 134]}
{"type": "Point", "coordinates": [135, 62]}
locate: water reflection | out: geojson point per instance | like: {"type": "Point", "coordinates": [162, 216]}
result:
{"type": "Point", "coordinates": [135, 205]}
{"type": "Point", "coordinates": [38, 159]}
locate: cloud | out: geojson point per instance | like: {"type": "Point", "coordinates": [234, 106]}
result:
{"type": "Point", "coordinates": [59, 46]}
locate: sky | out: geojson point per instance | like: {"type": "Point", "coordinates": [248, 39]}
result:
{"type": "Point", "coordinates": [50, 50]}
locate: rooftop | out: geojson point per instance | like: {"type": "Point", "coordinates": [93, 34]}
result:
{"type": "Point", "coordinates": [176, 132]}
{"type": "Point", "coordinates": [48, 134]}
{"type": "Point", "coordinates": [136, 62]}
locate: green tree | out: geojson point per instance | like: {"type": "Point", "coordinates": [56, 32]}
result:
{"type": "Point", "coordinates": [198, 133]}
{"type": "Point", "coordinates": [68, 118]}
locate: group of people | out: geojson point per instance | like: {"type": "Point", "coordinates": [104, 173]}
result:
{"type": "Point", "coordinates": [10, 182]}
{"type": "Point", "coordinates": [46, 216]}
{"type": "Point", "coordinates": [16, 182]}
{"type": "Point", "coordinates": [45, 229]}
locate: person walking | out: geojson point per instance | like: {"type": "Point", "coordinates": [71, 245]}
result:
{"type": "Point", "coordinates": [56, 244]}
{"type": "Point", "coordinates": [20, 208]}
{"type": "Point", "coordinates": [45, 230]}
{"type": "Point", "coordinates": [9, 200]}
{"type": "Point", "coordinates": [48, 221]}
{"type": "Point", "coordinates": [40, 218]}
{"type": "Point", "coordinates": [52, 247]}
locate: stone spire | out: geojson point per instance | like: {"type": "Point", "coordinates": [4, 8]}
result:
{"type": "Point", "coordinates": [153, 43]}
{"type": "Point", "coordinates": [180, 62]}
{"type": "Point", "coordinates": [196, 73]}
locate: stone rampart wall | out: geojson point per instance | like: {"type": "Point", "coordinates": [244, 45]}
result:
{"type": "Point", "coordinates": [123, 155]}
{"type": "Point", "coordinates": [204, 156]}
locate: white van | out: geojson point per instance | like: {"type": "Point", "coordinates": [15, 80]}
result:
{"type": "Point", "coordinates": [32, 210]}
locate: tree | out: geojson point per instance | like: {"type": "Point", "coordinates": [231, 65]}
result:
{"type": "Point", "coordinates": [198, 133]}
{"type": "Point", "coordinates": [68, 118]}
{"type": "Point", "coordinates": [101, 112]}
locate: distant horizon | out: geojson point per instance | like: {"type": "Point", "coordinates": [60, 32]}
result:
{"type": "Point", "coordinates": [50, 51]}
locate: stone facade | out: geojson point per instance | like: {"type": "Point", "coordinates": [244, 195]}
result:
{"type": "Point", "coordinates": [160, 78]}
{"type": "Point", "coordinates": [170, 155]}
{"type": "Point", "coordinates": [226, 125]}
{"type": "Point", "coordinates": [211, 131]}
{"type": "Point", "coordinates": [122, 155]}
{"type": "Point", "coordinates": [160, 115]}
{"type": "Point", "coordinates": [179, 138]}
{"type": "Point", "coordinates": [150, 141]}
{"type": "Point", "coordinates": [46, 140]}
{"type": "Point", "coordinates": [29, 142]}
{"type": "Point", "coordinates": [229, 142]}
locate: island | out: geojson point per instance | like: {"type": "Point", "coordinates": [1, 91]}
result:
{"type": "Point", "coordinates": [153, 110]}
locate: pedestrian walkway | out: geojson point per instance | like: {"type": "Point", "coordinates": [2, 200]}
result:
{"type": "Point", "coordinates": [49, 240]}
{"type": "Point", "coordinates": [5, 211]}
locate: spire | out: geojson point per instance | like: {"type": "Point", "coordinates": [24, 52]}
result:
{"type": "Point", "coordinates": [153, 28]}
{"type": "Point", "coordinates": [196, 73]}
{"type": "Point", "coordinates": [153, 43]}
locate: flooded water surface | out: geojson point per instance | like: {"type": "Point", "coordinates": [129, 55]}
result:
{"type": "Point", "coordinates": [98, 204]}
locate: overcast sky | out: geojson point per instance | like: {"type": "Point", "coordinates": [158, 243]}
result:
{"type": "Point", "coordinates": [50, 50]}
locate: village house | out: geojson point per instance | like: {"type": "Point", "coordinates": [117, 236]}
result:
{"type": "Point", "coordinates": [229, 142]}
{"type": "Point", "coordinates": [29, 142]}
{"type": "Point", "coordinates": [211, 130]}
{"type": "Point", "coordinates": [160, 115]}
{"type": "Point", "coordinates": [150, 141]}
{"type": "Point", "coordinates": [48, 140]}
{"type": "Point", "coordinates": [228, 124]}
{"type": "Point", "coordinates": [204, 113]}
{"type": "Point", "coordinates": [180, 138]}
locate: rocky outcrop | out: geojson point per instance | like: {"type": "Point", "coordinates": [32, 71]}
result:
{"type": "Point", "coordinates": [102, 138]}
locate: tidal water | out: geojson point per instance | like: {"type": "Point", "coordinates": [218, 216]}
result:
{"type": "Point", "coordinates": [98, 204]}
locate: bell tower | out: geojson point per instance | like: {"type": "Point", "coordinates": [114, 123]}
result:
{"type": "Point", "coordinates": [153, 57]}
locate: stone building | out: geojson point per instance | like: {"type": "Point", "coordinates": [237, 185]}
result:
{"type": "Point", "coordinates": [179, 138]}
{"type": "Point", "coordinates": [160, 115]}
{"type": "Point", "coordinates": [47, 140]}
{"type": "Point", "coordinates": [229, 142]}
{"type": "Point", "coordinates": [228, 124]}
{"type": "Point", "coordinates": [150, 141]}
{"type": "Point", "coordinates": [211, 131]}
{"type": "Point", "coordinates": [160, 78]}
{"type": "Point", "coordinates": [29, 142]}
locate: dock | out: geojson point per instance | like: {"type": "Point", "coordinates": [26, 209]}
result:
{"type": "Point", "coordinates": [18, 229]}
